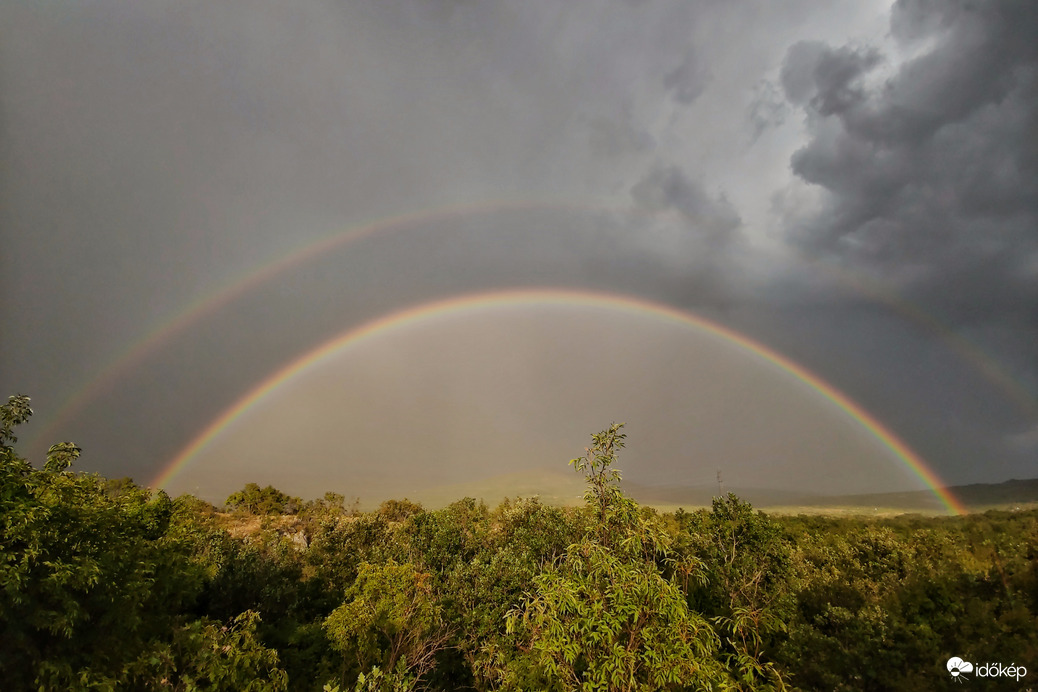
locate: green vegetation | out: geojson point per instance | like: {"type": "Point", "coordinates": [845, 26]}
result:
{"type": "Point", "coordinates": [253, 499]}
{"type": "Point", "coordinates": [105, 585]}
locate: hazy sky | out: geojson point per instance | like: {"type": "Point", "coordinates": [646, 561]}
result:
{"type": "Point", "coordinates": [853, 185]}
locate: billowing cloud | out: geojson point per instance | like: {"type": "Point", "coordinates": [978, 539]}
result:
{"type": "Point", "coordinates": [688, 80]}
{"type": "Point", "coordinates": [931, 175]}
{"type": "Point", "coordinates": [829, 79]}
{"type": "Point", "coordinates": [767, 108]}
{"type": "Point", "coordinates": [668, 188]}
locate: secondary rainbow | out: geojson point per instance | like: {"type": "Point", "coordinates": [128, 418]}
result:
{"type": "Point", "coordinates": [568, 297]}
{"type": "Point", "coordinates": [242, 285]}
{"type": "Point", "coordinates": [208, 304]}
{"type": "Point", "coordinates": [963, 347]}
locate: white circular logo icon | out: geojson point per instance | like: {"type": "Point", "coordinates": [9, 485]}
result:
{"type": "Point", "coordinates": [956, 666]}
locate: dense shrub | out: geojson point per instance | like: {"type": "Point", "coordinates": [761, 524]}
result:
{"type": "Point", "coordinates": [107, 585]}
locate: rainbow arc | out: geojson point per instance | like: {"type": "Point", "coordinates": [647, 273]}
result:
{"type": "Point", "coordinates": [533, 297]}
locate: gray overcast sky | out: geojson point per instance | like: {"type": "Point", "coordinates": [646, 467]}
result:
{"type": "Point", "coordinates": [852, 184]}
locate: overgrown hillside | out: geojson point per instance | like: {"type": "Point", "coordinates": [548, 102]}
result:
{"type": "Point", "coordinates": [107, 585]}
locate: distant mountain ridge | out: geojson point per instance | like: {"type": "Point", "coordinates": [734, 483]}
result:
{"type": "Point", "coordinates": [974, 496]}
{"type": "Point", "coordinates": [557, 488]}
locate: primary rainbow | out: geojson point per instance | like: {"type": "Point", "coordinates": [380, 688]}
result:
{"type": "Point", "coordinates": [567, 297]}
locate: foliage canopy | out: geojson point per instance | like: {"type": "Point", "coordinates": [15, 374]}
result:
{"type": "Point", "coordinates": [105, 585]}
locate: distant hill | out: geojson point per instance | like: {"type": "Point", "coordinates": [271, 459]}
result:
{"type": "Point", "coordinates": [978, 496]}
{"type": "Point", "coordinates": [998, 493]}
{"type": "Point", "coordinates": [557, 488]}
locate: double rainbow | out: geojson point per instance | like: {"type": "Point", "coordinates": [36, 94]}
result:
{"type": "Point", "coordinates": [212, 302]}
{"type": "Point", "coordinates": [534, 297]}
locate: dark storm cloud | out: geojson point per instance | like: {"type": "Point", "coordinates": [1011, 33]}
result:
{"type": "Point", "coordinates": [767, 109]}
{"type": "Point", "coordinates": [696, 239]}
{"type": "Point", "coordinates": [927, 160]}
{"type": "Point", "coordinates": [826, 78]}
{"type": "Point", "coordinates": [688, 80]}
{"type": "Point", "coordinates": [668, 188]}
{"type": "Point", "coordinates": [931, 176]}
{"type": "Point", "coordinates": [152, 155]}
